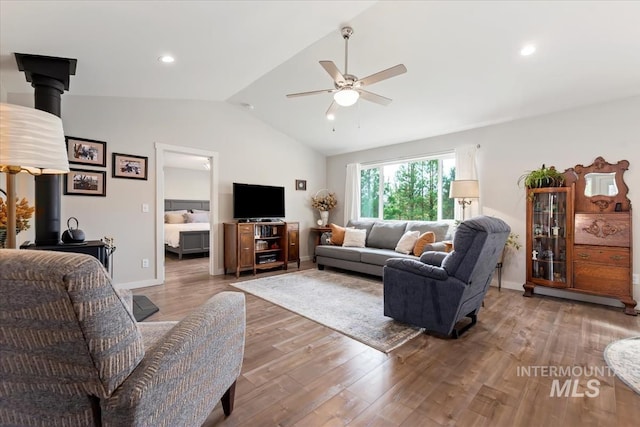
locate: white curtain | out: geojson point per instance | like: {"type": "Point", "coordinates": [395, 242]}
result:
{"type": "Point", "coordinates": [466, 169]}
{"type": "Point", "coordinates": [352, 193]}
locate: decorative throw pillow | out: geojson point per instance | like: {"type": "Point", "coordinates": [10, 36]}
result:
{"type": "Point", "coordinates": [337, 234]}
{"type": "Point", "coordinates": [196, 217]}
{"type": "Point", "coordinates": [354, 238]}
{"type": "Point", "coordinates": [424, 240]}
{"type": "Point", "coordinates": [407, 242]}
{"type": "Point", "coordinates": [174, 217]}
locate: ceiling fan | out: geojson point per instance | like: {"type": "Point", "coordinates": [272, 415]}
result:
{"type": "Point", "coordinates": [347, 87]}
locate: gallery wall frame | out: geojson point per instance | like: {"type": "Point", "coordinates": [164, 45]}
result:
{"type": "Point", "coordinates": [84, 182]}
{"type": "Point", "coordinates": [129, 166]}
{"type": "Point", "coordinates": [83, 151]}
{"type": "Point", "coordinates": [301, 184]}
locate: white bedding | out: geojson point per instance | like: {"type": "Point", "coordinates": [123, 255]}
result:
{"type": "Point", "coordinates": [172, 231]}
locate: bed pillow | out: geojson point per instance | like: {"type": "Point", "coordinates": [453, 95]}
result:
{"type": "Point", "coordinates": [196, 217]}
{"type": "Point", "coordinates": [354, 238]}
{"type": "Point", "coordinates": [423, 241]}
{"type": "Point", "coordinates": [174, 217]}
{"type": "Point", "coordinates": [407, 242]}
{"type": "Point", "coordinates": [337, 234]}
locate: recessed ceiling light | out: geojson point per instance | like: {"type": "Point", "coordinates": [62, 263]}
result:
{"type": "Point", "coordinates": [331, 116]}
{"type": "Point", "coordinates": [167, 59]}
{"type": "Point", "coordinates": [527, 50]}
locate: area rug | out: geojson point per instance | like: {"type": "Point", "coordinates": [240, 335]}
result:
{"type": "Point", "coordinates": [623, 357]}
{"type": "Point", "coordinates": [352, 305]}
{"type": "Point", "coordinates": [143, 307]}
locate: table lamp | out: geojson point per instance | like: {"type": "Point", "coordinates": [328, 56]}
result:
{"type": "Point", "coordinates": [30, 141]}
{"type": "Point", "coordinates": [463, 189]}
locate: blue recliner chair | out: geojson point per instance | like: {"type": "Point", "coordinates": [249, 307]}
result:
{"type": "Point", "coordinates": [441, 289]}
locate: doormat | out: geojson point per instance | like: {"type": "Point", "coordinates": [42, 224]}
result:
{"type": "Point", "coordinates": [143, 307]}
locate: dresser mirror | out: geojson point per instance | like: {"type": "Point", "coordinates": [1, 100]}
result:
{"type": "Point", "coordinates": [600, 187]}
{"type": "Point", "coordinates": [600, 184]}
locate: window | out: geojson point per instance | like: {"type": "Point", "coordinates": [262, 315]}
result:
{"type": "Point", "coordinates": [417, 189]}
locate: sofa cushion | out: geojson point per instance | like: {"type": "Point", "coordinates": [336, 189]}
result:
{"type": "Point", "coordinates": [354, 238]}
{"type": "Point", "coordinates": [380, 256]}
{"type": "Point", "coordinates": [440, 229]}
{"type": "Point", "coordinates": [340, 252]}
{"type": "Point", "coordinates": [362, 225]}
{"type": "Point", "coordinates": [423, 240]}
{"type": "Point", "coordinates": [337, 234]}
{"type": "Point", "coordinates": [385, 235]}
{"type": "Point", "coordinates": [407, 242]}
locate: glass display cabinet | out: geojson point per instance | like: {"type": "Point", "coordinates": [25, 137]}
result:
{"type": "Point", "coordinates": [549, 238]}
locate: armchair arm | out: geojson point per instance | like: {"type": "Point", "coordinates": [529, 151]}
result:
{"type": "Point", "coordinates": [436, 246]}
{"type": "Point", "coordinates": [433, 258]}
{"type": "Point", "coordinates": [185, 374]}
{"type": "Point", "coordinates": [417, 267]}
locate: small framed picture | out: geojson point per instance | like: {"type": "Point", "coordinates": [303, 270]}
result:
{"type": "Point", "coordinates": [129, 166]}
{"type": "Point", "coordinates": [81, 182]}
{"type": "Point", "coordinates": [301, 184]}
{"type": "Point", "coordinates": [88, 152]}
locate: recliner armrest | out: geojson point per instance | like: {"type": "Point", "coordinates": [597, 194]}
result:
{"type": "Point", "coordinates": [417, 267]}
{"type": "Point", "coordinates": [433, 258]}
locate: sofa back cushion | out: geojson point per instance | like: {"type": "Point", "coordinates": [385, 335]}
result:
{"type": "Point", "coordinates": [439, 228]}
{"type": "Point", "coordinates": [385, 235]}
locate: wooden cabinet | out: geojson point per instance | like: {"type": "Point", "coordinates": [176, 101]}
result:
{"type": "Point", "coordinates": [592, 252]}
{"type": "Point", "coordinates": [549, 238]}
{"type": "Point", "coordinates": [259, 245]}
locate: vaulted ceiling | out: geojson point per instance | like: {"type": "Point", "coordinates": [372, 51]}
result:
{"type": "Point", "coordinates": [463, 60]}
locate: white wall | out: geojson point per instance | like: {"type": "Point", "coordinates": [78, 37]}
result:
{"type": "Point", "coordinates": [186, 184]}
{"type": "Point", "coordinates": [249, 151]}
{"type": "Point", "coordinates": [563, 139]}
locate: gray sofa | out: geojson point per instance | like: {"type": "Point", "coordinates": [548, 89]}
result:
{"type": "Point", "coordinates": [382, 238]}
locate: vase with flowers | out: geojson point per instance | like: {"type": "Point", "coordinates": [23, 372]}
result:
{"type": "Point", "coordinates": [24, 212]}
{"type": "Point", "coordinates": [324, 201]}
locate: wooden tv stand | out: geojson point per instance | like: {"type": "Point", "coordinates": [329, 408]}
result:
{"type": "Point", "coordinates": [260, 246]}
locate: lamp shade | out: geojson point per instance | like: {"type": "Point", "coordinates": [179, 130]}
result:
{"type": "Point", "coordinates": [464, 189]}
{"type": "Point", "coordinates": [346, 97]}
{"type": "Point", "coordinates": [31, 140]}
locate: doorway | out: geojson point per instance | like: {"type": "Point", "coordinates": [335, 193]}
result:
{"type": "Point", "coordinates": [164, 152]}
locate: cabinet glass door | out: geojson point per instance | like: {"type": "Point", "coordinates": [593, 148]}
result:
{"type": "Point", "coordinates": [549, 263]}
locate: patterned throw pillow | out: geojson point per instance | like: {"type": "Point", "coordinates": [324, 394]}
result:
{"type": "Point", "coordinates": [424, 240]}
{"type": "Point", "coordinates": [337, 234]}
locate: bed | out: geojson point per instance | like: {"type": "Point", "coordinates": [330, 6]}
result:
{"type": "Point", "coordinates": [189, 237]}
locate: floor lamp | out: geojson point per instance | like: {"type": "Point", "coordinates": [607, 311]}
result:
{"type": "Point", "coordinates": [463, 189]}
{"type": "Point", "coordinates": [30, 141]}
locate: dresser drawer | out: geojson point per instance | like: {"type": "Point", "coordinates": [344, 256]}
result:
{"type": "Point", "coordinates": [245, 228]}
{"type": "Point", "coordinates": [596, 278]}
{"type": "Point", "coordinates": [609, 229]}
{"type": "Point", "coordinates": [609, 256]}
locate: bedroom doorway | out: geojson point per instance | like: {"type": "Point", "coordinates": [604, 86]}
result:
{"type": "Point", "coordinates": [200, 168]}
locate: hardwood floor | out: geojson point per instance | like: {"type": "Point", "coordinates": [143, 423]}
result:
{"type": "Point", "coordinates": [297, 372]}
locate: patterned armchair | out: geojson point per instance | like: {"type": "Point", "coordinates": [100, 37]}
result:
{"type": "Point", "coordinates": [441, 288]}
{"type": "Point", "coordinates": [71, 353]}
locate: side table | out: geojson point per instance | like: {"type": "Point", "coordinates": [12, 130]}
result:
{"type": "Point", "coordinates": [317, 231]}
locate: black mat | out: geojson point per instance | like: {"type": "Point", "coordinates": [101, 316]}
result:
{"type": "Point", "coordinates": [143, 307]}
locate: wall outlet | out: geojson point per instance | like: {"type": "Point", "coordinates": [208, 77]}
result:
{"type": "Point", "coordinates": [145, 207]}
{"type": "Point", "coordinates": [636, 279]}
{"type": "Point", "coordinates": [145, 263]}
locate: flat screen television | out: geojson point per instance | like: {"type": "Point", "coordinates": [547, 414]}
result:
{"type": "Point", "coordinates": [257, 202]}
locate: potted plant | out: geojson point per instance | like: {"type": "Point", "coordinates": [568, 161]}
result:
{"type": "Point", "coordinates": [543, 177]}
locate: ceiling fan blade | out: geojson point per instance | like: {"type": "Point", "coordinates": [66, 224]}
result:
{"type": "Point", "coordinates": [333, 71]}
{"type": "Point", "coordinates": [378, 99]}
{"type": "Point", "coordinates": [313, 92]}
{"type": "Point", "coordinates": [332, 110]}
{"type": "Point", "coordinates": [383, 75]}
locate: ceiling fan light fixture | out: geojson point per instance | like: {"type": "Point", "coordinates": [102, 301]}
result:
{"type": "Point", "coordinates": [346, 97]}
{"type": "Point", "coordinates": [331, 116]}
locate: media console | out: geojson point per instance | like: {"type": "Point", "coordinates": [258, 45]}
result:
{"type": "Point", "coordinates": [260, 245]}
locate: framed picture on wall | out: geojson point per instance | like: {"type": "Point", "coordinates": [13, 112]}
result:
{"type": "Point", "coordinates": [81, 182]}
{"type": "Point", "coordinates": [129, 166]}
{"type": "Point", "coordinates": [301, 184]}
{"type": "Point", "coordinates": [88, 152]}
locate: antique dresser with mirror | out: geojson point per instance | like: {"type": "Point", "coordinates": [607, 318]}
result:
{"type": "Point", "coordinates": [580, 236]}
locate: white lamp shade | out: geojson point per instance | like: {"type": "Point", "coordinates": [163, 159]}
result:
{"type": "Point", "coordinates": [346, 97]}
{"type": "Point", "coordinates": [32, 140]}
{"type": "Point", "coordinates": [464, 189]}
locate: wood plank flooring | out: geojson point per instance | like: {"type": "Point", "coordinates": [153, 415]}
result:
{"type": "Point", "coordinates": [299, 373]}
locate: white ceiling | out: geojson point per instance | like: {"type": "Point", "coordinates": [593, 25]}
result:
{"type": "Point", "coordinates": [464, 67]}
